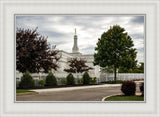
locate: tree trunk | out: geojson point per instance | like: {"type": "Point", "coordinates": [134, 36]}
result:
{"type": "Point", "coordinates": [115, 74]}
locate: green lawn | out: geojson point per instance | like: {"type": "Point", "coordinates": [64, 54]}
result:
{"type": "Point", "coordinates": [125, 98]}
{"type": "Point", "coordinates": [23, 91]}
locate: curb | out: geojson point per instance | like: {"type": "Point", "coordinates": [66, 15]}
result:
{"type": "Point", "coordinates": [28, 93]}
{"type": "Point", "coordinates": [103, 99]}
{"type": "Point", "coordinates": [74, 88]}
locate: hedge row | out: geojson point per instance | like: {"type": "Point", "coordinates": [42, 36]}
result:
{"type": "Point", "coordinates": [27, 81]}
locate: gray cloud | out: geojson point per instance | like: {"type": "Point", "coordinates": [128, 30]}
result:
{"type": "Point", "coordinates": [137, 36]}
{"type": "Point", "coordinates": [138, 20]}
{"type": "Point", "coordinates": [140, 50]}
{"type": "Point", "coordinates": [60, 29]}
{"type": "Point", "coordinates": [52, 34]}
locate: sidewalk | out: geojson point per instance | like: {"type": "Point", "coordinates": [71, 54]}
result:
{"type": "Point", "coordinates": [77, 88]}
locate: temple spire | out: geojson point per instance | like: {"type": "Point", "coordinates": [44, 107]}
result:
{"type": "Point", "coordinates": [75, 31]}
{"type": "Point", "coordinates": [75, 48]}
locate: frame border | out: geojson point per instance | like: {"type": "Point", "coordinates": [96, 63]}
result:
{"type": "Point", "coordinates": [156, 113]}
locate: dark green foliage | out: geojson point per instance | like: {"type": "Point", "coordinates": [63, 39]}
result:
{"type": "Point", "coordinates": [27, 81]}
{"type": "Point", "coordinates": [115, 49]}
{"type": "Point", "coordinates": [51, 80]}
{"type": "Point", "coordinates": [137, 69]}
{"type": "Point", "coordinates": [141, 67]}
{"type": "Point", "coordinates": [64, 81]}
{"type": "Point", "coordinates": [113, 82]}
{"type": "Point", "coordinates": [70, 79]}
{"type": "Point", "coordinates": [80, 81]}
{"type": "Point", "coordinates": [128, 88]}
{"type": "Point", "coordinates": [107, 69]}
{"type": "Point", "coordinates": [86, 78]}
{"type": "Point", "coordinates": [93, 80]}
{"type": "Point", "coordinates": [142, 88]}
{"type": "Point", "coordinates": [41, 82]}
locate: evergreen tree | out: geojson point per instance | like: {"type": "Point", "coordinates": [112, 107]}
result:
{"type": "Point", "coordinates": [51, 80]}
{"type": "Point", "coordinates": [86, 78]}
{"type": "Point", "coordinates": [70, 79]}
{"type": "Point", "coordinates": [27, 81]}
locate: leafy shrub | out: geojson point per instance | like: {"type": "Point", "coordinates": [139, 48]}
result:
{"type": "Point", "coordinates": [93, 80]}
{"type": "Point", "coordinates": [64, 81]}
{"type": "Point", "coordinates": [128, 88]}
{"type": "Point", "coordinates": [27, 81]}
{"type": "Point", "coordinates": [142, 88]}
{"type": "Point", "coordinates": [41, 82]}
{"type": "Point", "coordinates": [51, 80]}
{"type": "Point", "coordinates": [70, 79]}
{"type": "Point", "coordinates": [86, 78]}
{"type": "Point", "coordinates": [80, 81]}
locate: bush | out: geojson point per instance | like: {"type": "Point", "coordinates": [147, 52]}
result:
{"type": "Point", "coordinates": [64, 81]}
{"type": "Point", "coordinates": [80, 81]}
{"type": "Point", "coordinates": [70, 79]}
{"type": "Point", "coordinates": [93, 80]}
{"type": "Point", "coordinates": [128, 88]}
{"type": "Point", "coordinates": [41, 82]}
{"type": "Point", "coordinates": [86, 78]}
{"type": "Point", "coordinates": [142, 89]}
{"type": "Point", "coordinates": [27, 81]}
{"type": "Point", "coordinates": [51, 80]}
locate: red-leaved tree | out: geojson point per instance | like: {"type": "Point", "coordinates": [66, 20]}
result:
{"type": "Point", "coordinates": [77, 66]}
{"type": "Point", "coordinates": [33, 54]}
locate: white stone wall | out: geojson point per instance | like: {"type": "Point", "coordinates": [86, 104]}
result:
{"type": "Point", "coordinates": [63, 63]}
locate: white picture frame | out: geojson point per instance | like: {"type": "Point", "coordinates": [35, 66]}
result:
{"type": "Point", "coordinates": [9, 8]}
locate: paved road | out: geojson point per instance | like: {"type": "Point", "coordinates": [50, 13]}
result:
{"type": "Point", "coordinates": [91, 94]}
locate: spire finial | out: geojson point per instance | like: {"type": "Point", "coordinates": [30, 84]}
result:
{"type": "Point", "coordinates": [75, 30]}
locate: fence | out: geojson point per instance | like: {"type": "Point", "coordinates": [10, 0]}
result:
{"type": "Point", "coordinates": [43, 75]}
{"type": "Point", "coordinates": [101, 78]}
{"type": "Point", "coordinates": [121, 76]}
{"type": "Point", "coordinates": [38, 76]}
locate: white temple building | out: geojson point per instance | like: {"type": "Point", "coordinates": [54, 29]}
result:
{"type": "Point", "coordinates": [65, 56]}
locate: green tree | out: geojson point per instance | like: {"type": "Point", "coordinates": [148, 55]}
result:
{"type": "Point", "coordinates": [27, 81]}
{"type": "Point", "coordinates": [51, 80]}
{"type": "Point", "coordinates": [141, 67]}
{"type": "Point", "coordinates": [115, 48]}
{"type": "Point", "coordinates": [70, 79]}
{"type": "Point", "coordinates": [138, 69]}
{"type": "Point", "coordinates": [107, 69]}
{"type": "Point", "coordinates": [86, 78]}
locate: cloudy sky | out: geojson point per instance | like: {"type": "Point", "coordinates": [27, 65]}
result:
{"type": "Point", "coordinates": [60, 29]}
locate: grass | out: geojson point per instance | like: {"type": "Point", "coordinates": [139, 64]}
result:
{"type": "Point", "coordinates": [23, 91]}
{"type": "Point", "coordinates": [125, 98]}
